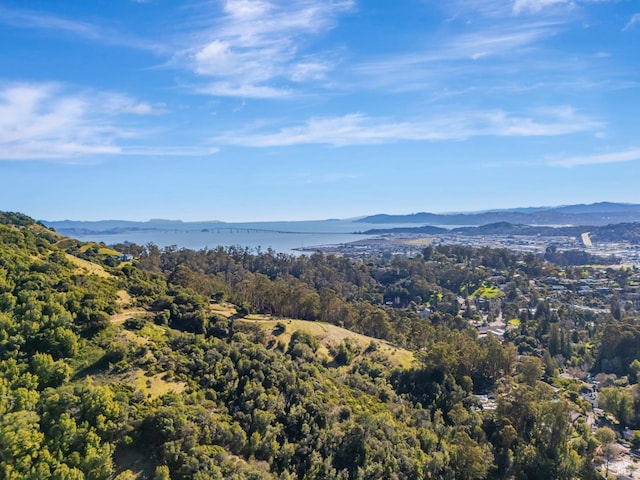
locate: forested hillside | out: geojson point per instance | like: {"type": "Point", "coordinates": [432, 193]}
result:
{"type": "Point", "coordinates": [197, 365]}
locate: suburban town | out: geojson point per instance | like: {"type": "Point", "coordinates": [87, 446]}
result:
{"type": "Point", "coordinates": [592, 292]}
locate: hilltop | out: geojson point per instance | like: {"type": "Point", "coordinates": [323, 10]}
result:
{"type": "Point", "coordinates": [330, 338]}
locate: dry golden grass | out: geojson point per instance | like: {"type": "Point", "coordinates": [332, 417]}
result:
{"type": "Point", "coordinates": [151, 386]}
{"type": "Point", "coordinates": [224, 309]}
{"type": "Point", "coordinates": [119, 318]}
{"type": "Point", "coordinates": [87, 268]}
{"type": "Point", "coordinates": [124, 299]}
{"type": "Point", "coordinates": [156, 385]}
{"type": "Point", "coordinates": [102, 250]}
{"type": "Point", "coordinates": [131, 338]}
{"type": "Point", "coordinates": [330, 336]}
{"type": "Point", "coordinates": [417, 242]}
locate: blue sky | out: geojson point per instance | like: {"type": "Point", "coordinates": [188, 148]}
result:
{"type": "Point", "coordinates": [248, 110]}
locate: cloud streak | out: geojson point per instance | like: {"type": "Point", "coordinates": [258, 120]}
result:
{"type": "Point", "coordinates": [484, 57]}
{"type": "Point", "coordinates": [633, 21]}
{"type": "Point", "coordinates": [360, 129]}
{"type": "Point", "coordinates": [534, 6]}
{"type": "Point", "coordinates": [631, 155]}
{"type": "Point", "coordinates": [22, 18]}
{"type": "Point", "coordinates": [499, 41]}
{"type": "Point", "coordinates": [32, 19]}
{"type": "Point", "coordinates": [511, 8]}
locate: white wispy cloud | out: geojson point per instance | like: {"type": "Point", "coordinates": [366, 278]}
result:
{"type": "Point", "coordinates": [120, 104]}
{"type": "Point", "coordinates": [510, 8]}
{"type": "Point", "coordinates": [483, 58]}
{"type": "Point", "coordinates": [535, 6]}
{"type": "Point", "coordinates": [23, 18]}
{"type": "Point", "coordinates": [499, 40]}
{"type": "Point", "coordinates": [257, 48]}
{"type": "Point", "coordinates": [243, 90]}
{"type": "Point", "coordinates": [33, 19]}
{"type": "Point", "coordinates": [503, 40]}
{"type": "Point", "coordinates": [490, 50]}
{"type": "Point", "coordinates": [485, 8]}
{"type": "Point", "coordinates": [46, 121]}
{"type": "Point", "coordinates": [604, 158]}
{"type": "Point", "coordinates": [360, 129]}
{"type": "Point", "coordinates": [633, 21]}
{"type": "Point", "coordinates": [36, 122]}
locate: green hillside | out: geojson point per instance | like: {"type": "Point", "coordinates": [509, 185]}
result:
{"type": "Point", "coordinates": [226, 364]}
{"type": "Point", "coordinates": [330, 339]}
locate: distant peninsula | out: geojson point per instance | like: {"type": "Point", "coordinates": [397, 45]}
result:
{"type": "Point", "coordinates": [619, 232]}
{"type": "Point", "coordinates": [603, 213]}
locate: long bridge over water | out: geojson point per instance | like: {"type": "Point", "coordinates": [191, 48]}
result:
{"type": "Point", "coordinates": [243, 230]}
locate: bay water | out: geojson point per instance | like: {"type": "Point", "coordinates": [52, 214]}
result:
{"type": "Point", "coordinates": [283, 237]}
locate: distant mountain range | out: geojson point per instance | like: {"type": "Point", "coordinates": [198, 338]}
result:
{"type": "Point", "coordinates": [618, 232]}
{"type": "Point", "coordinates": [597, 214]}
{"type": "Point", "coordinates": [603, 213]}
{"type": "Point", "coordinates": [113, 226]}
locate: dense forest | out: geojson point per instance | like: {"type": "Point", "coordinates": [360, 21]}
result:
{"type": "Point", "coordinates": [138, 362]}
